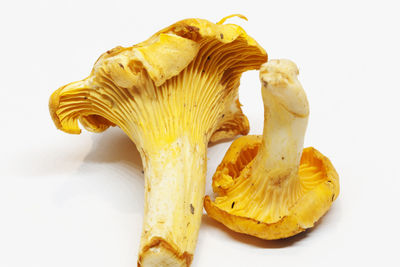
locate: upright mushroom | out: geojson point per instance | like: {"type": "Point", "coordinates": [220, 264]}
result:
{"type": "Point", "coordinates": [268, 186]}
{"type": "Point", "coordinates": [171, 94]}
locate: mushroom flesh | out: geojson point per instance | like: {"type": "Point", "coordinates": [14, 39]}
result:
{"type": "Point", "coordinates": [268, 186]}
{"type": "Point", "coordinates": [171, 94]}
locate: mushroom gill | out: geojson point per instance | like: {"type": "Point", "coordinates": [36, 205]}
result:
{"type": "Point", "coordinates": [268, 186]}
{"type": "Point", "coordinates": [171, 94]}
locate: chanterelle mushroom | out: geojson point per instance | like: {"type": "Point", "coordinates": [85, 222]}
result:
{"type": "Point", "coordinates": [171, 94]}
{"type": "Point", "coordinates": [268, 186]}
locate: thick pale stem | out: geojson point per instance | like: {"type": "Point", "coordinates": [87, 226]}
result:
{"type": "Point", "coordinates": [174, 191]}
{"type": "Point", "coordinates": [286, 116]}
{"type": "Point", "coordinates": [275, 168]}
{"type": "Point", "coordinates": [263, 190]}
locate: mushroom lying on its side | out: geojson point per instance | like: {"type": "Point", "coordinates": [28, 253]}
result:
{"type": "Point", "coordinates": [171, 95]}
{"type": "Point", "coordinates": [268, 186]}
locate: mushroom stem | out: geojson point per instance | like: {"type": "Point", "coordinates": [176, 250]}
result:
{"type": "Point", "coordinates": [275, 168]}
{"type": "Point", "coordinates": [171, 94]}
{"type": "Point", "coordinates": [285, 116]}
{"type": "Point", "coordinates": [174, 203]}
{"type": "Point", "coordinates": [285, 122]}
{"type": "Point", "coordinates": [268, 186]}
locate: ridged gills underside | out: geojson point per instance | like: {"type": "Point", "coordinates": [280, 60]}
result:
{"type": "Point", "coordinates": [193, 101]}
{"type": "Point", "coordinates": [274, 191]}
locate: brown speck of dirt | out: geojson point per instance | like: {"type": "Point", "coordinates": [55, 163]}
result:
{"type": "Point", "coordinates": [192, 28]}
{"type": "Point", "coordinates": [191, 208]}
{"type": "Point", "coordinates": [233, 204]}
{"type": "Point", "coordinates": [188, 31]}
{"type": "Point", "coordinates": [283, 158]}
{"type": "Point", "coordinates": [223, 115]}
{"type": "Point", "coordinates": [222, 36]}
{"type": "Point", "coordinates": [209, 57]}
{"type": "Point", "coordinates": [279, 179]}
{"type": "Point", "coordinates": [122, 66]}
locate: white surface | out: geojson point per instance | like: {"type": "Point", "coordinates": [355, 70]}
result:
{"type": "Point", "coordinates": [69, 200]}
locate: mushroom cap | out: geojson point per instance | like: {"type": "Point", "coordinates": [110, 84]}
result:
{"type": "Point", "coordinates": [166, 54]}
{"type": "Point", "coordinates": [318, 178]}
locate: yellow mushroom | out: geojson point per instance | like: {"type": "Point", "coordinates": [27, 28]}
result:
{"type": "Point", "coordinates": [171, 94]}
{"type": "Point", "coordinates": [268, 186]}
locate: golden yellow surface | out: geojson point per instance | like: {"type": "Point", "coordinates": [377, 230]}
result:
{"type": "Point", "coordinates": [171, 94]}
{"type": "Point", "coordinates": [268, 185]}
{"type": "Point", "coordinates": [319, 187]}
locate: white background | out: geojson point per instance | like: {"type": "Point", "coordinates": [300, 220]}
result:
{"type": "Point", "coordinates": [77, 200]}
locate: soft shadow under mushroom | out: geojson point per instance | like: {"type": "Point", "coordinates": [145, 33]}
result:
{"type": "Point", "coordinates": [251, 240]}
{"type": "Point", "coordinates": [111, 172]}
{"type": "Point", "coordinates": [114, 146]}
